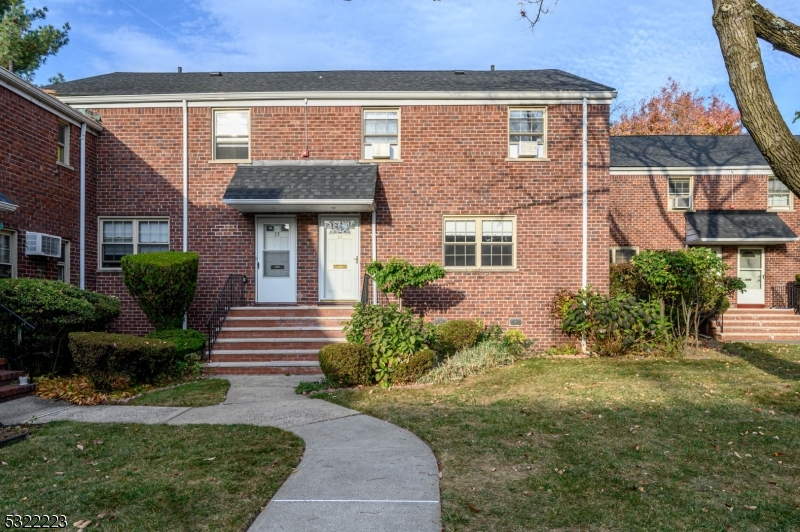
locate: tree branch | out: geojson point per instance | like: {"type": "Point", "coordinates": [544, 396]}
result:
{"type": "Point", "coordinates": [779, 32]}
{"type": "Point", "coordinates": [539, 7]}
{"type": "Point", "coordinates": [734, 22]}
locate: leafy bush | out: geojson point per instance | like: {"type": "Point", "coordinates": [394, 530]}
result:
{"type": "Point", "coordinates": [516, 342]}
{"type": "Point", "coordinates": [471, 361]}
{"type": "Point", "coordinates": [411, 369]}
{"type": "Point", "coordinates": [163, 284]}
{"type": "Point", "coordinates": [390, 333]}
{"type": "Point", "coordinates": [187, 342]}
{"type": "Point", "coordinates": [615, 325]}
{"type": "Point", "coordinates": [396, 275]}
{"type": "Point", "coordinates": [454, 335]}
{"type": "Point", "coordinates": [346, 364]}
{"type": "Point", "coordinates": [55, 309]}
{"type": "Point", "coordinates": [106, 358]}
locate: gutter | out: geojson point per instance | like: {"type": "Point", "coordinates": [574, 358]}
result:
{"type": "Point", "coordinates": [691, 170]}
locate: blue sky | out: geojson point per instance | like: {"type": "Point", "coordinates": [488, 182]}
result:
{"type": "Point", "coordinates": [633, 45]}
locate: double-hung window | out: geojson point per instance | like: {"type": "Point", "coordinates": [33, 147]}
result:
{"type": "Point", "coordinates": [63, 144]}
{"type": "Point", "coordinates": [527, 133]}
{"type": "Point", "coordinates": [381, 134]}
{"type": "Point", "coordinates": [680, 193]}
{"type": "Point", "coordinates": [8, 254]}
{"type": "Point", "coordinates": [232, 135]}
{"type": "Point", "coordinates": [779, 197]}
{"type": "Point", "coordinates": [63, 262]}
{"type": "Point", "coordinates": [121, 237]}
{"type": "Point", "coordinates": [622, 255]}
{"type": "Point", "coordinates": [479, 242]}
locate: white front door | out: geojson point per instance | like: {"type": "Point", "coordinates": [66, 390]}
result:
{"type": "Point", "coordinates": [751, 271]}
{"type": "Point", "coordinates": [276, 260]}
{"type": "Point", "coordinates": [339, 250]}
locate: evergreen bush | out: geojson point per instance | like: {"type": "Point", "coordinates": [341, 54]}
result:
{"type": "Point", "coordinates": [414, 367]}
{"type": "Point", "coordinates": [187, 342]}
{"type": "Point", "coordinates": [346, 364]}
{"type": "Point", "coordinates": [455, 335]}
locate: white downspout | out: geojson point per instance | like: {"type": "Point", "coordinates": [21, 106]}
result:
{"type": "Point", "coordinates": [185, 186]}
{"type": "Point", "coordinates": [585, 228]}
{"type": "Point", "coordinates": [374, 253]}
{"type": "Point", "coordinates": [82, 252]}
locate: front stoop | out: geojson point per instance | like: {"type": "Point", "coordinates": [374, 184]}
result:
{"type": "Point", "coordinates": [9, 383]}
{"type": "Point", "coordinates": [276, 340]}
{"type": "Point", "coordinates": [754, 325]}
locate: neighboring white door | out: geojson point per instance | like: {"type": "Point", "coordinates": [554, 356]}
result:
{"type": "Point", "coordinates": [751, 271]}
{"type": "Point", "coordinates": [339, 250]}
{"type": "Point", "coordinates": [276, 260]}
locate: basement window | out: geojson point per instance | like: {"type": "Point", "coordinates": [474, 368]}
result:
{"type": "Point", "coordinates": [622, 255]}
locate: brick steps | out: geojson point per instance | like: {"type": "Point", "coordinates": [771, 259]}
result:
{"type": "Point", "coordinates": [758, 325]}
{"type": "Point", "coordinates": [9, 383]}
{"type": "Point", "coordinates": [276, 339]}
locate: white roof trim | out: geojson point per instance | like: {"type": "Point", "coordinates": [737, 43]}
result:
{"type": "Point", "coordinates": [300, 205]}
{"type": "Point", "coordinates": [740, 241]}
{"type": "Point", "coordinates": [35, 95]}
{"type": "Point", "coordinates": [691, 170]}
{"type": "Point", "coordinates": [328, 98]}
{"type": "Point", "coordinates": [7, 207]}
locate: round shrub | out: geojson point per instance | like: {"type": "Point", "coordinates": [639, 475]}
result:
{"type": "Point", "coordinates": [163, 284]}
{"type": "Point", "coordinates": [346, 364]}
{"type": "Point", "coordinates": [187, 342]}
{"type": "Point", "coordinates": [415, 367]}
{"type": "Point", "coordinates": [455, 335]}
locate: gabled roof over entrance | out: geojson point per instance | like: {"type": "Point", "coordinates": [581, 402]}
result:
{"type": "Point", "coordinates": [736, 228]}
{"type": "Point", "coordinates": [303, 186]}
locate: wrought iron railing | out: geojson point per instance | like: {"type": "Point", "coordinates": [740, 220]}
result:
{"type": "Point", "coordinates": [785, 296]}
{"type": "Point", "coordinates": [233, 295]}
{"type": "Point", "coordinates": [369, 290]}
{"type": "Point", "coordinates": [6, 353]}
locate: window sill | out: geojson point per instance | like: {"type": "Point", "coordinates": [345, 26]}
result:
{"type": "Point", "coordinates": [380, 161]}
{"type": "Point", "coordinates": [455, 269]}
{"type": "Point", "coordinates": [230, 161]}
{"type": "Point", "coordinates": [780, 209]}
{"type": "Point", "coordinates": [681, 210]}
{"type": "Point", "coordinates": [527, 159]}
{"type": "Point", "coordinates": [65, 165]}
{"type": "Point", "coordinates": [109, 270]}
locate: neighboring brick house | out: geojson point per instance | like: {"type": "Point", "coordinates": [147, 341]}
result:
{"type": "Point", "coordinates": [297, 180]}
{"type": "Point", "coordinates": [668, 192]}
{"type": "Point", "coordinates": [40, 184]}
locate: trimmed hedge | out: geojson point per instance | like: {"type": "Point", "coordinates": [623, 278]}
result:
{"type": "Point", "coordinates": [106, 358]}
{"type": "Point", "coordinates": [346, 364]}
{"type": "Point", "coordinates": [163, 284]}
{"type": "Point", "coordinates": [415, 367]}
{"type": "Point", "coordinates": [455, 335]}
{"type": "Point", "coordinates": [187, 342]}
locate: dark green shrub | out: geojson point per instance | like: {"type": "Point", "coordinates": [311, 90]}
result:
{"type": "Point", "coordinates": [187, 342]}
{"type": "Point", "coordinates": [395, 276]}
{"type": "Point", "coordinates": [390, 333]}
{"type": "Point", "coordinates": [105, 357]}
{"type": "Point", "coordinates": [163, 284]}
{"type": "Point", "coordinates": [346, 364]}
{"type": "Point", "coordinates": [414, 367]}
{"type": "Point", "coordinates": [455, 335]}
{"type": "Point", "coordinates": [55, 309]}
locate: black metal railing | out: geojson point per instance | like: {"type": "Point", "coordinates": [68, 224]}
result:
{"type": "Point", "coordinates": [7, 351]}
{"type": "Point", "coordinates": [785, 296]}
{"type": "Point", "coordinates": [368, 291]}
{"type": "Point", "coordinates": [18, 317]}
{"type": "Point", "coordinates": [233, 295]}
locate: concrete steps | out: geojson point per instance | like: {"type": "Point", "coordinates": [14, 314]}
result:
{"type": "Point", "coordinates": [276, 339]}
{"type": "Point", "coordinates": [9, 383]}
{"type": "Point", "coordinates": [758, 325]}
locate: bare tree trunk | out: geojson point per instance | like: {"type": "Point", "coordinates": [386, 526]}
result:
{"type": "Point", "coordinates": [735, 24]}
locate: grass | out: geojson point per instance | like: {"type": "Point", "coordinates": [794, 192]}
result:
{"type": "Point", "coordinates": [147, 477]}
{"type": "Point", "coordinates": [206, 392]}
{"type": "Point", "coordinates": [709, 442]}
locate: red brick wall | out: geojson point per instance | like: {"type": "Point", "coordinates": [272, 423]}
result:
{"type": "Point", "coordinates": [453, 163]}
{"type": "Point", "coordinates": [48, 194]}
{"type": "Point", "coordinates": [639, 216]}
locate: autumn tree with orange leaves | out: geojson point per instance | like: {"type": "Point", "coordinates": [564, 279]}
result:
{"type": "Point", "coordinates": [677, 111]}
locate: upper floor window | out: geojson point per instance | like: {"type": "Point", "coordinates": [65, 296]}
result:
{"type": "Point", "coordinates": [779, 197]}
{"type": "Point", "coordinates": [527, 133]}
{"type": "Point", "coordinates": [232, 135]}
{"type": "Point", "coordinates": [121, 237]}
{"type": "Point", "coordinates": [381, 134]}
{"type": "Point", "coordinates": [622, 255]}
{"type": "Point", "coordinates": [8, 254]}
{"type": "Point", "coordinates": [63, 143]}
{"type": "Point", "coordinates": [680, 193]}
{"type": "Point", "coordinates": [479, 242]}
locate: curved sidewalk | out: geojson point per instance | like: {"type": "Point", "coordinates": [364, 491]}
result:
{"type": "Point", "coordinates": [358, 473]}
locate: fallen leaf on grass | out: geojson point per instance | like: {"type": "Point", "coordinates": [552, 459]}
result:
{"type": "Point", "coordinates": [778, 454]}
{"type": "Point", "coordinates": [471, 507]}
{"type": "Point", "coordinates": [750, 507]}
{"type": "Point", "coordinates": [210, 459]}
{"type": "Point", "coordinates": [98, 442]}
{"type": "Point", "coordinates": [3, 463]}
{"type": "Point", "coordinates": [729, 507]}
{"type": "Point", "coordinates": [80, 447]}
{"type": "Point", "coordinates": [83, 523]}
{"type": "Point", "coordinates": [59, 473]}
{"type": "Point", "coordinates": [637, 447]}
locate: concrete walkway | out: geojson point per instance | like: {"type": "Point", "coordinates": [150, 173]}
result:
{"type": "Point", "coordinates": [358, 473]}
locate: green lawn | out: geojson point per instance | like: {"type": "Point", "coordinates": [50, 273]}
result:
{"type": "Point", "coordinates": [206, 392]}
{"type": "Point", "coordinates": [147, 477]}
{"type": "Point", "coordinates": [710, 442]}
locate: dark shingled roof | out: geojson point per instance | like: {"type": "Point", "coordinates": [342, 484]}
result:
{"type": "Point", "coordinates": [5, 199]}
{"type": "Point", "coordinates": [685, 150]}
{"type": "Point", "coordinates": [303, 182]}
{"type": "Point", "coordinates": [131, 83]}
{"type": "Point", "coordinates": [739, 225]}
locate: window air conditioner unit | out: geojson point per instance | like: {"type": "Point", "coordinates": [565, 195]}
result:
{"type": "Point", "coordinates": [381, 150]}
{"type": "Point", "coordinates": [39, 244]}
{"type": "Point", "coordinates": [682, 202]}
{"type": "Point", "coordinates": [528, 149]}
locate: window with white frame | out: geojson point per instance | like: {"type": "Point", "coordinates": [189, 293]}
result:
{"type": "Point", "coordinates": [479, 242]}
{"type": "Point", "coordinates": [381, 134]}
{"type": "Point", "coordinates": [8, 254]}
{"type": "Point", "coordinates": [527, 133]}
{"type": "Point", "coordinates": [63, 143]}
{"type": "Point", "coordinates": [232, 135]}
{"type": "Point", "coordinates": [779, 197]}
{"type": "Point", "coordinates": [121, 237]}
{"type": "Point", "coordinates": [63, 262]}
{"type": "Point", "coordinates": [680, 193]}
{"type": "Point", "coordinates": [623, 254]}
